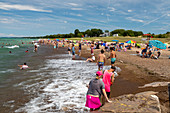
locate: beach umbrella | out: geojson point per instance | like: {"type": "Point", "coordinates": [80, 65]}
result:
{"type": "Point", "coordinates": [57, 40]}
{"type": "Point", "coordinates": [121, 44]}
{"type": "Point", "coordinates": [157, 44]}
{"type": "Point", "coordinates": [130, 41]}
{"type": "Point", "coordinates": [115, 40]}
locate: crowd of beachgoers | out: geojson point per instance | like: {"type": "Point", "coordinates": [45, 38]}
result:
{"type": "Point", "coordinates": [99, 87]}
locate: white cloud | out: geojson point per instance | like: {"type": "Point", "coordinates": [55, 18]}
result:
{"type": "Point", "coordinates": [129, 11]}
{"type": "Point", "coordinates": [7, 21]}
{"type": "Point", "coordinates": [168, 14]}
{"type": "Point", "coordinates": [65, 22]}
{"type": "Point", "coordinates": [73, 14]}
{"type": "Point", "coordinates": [6, 6]}
{"type": "Point", "coordinates": [132, 19]}
{"type": "Point", "coordinates": [72, 4]}
{"type": "Point", "coordinates": [112, 9]}
{"type": "Point", "coordinates": [76, 9]}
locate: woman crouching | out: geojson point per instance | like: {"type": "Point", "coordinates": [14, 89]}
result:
{"type": "Point", "coordinates": [95, 89]}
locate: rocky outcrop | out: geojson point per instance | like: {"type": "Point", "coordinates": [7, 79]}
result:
{"type": "Point", "coordinates": [141, 102]}
{"type": "Point", "coordinates": [155, 84]}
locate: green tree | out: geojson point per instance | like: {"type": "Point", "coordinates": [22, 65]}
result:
{"type": "Point", "coordinates": [76, 32]}
{"type": "Point", "coordinates": [120, 32]}
{"type": "Point", "coordinates": [79, 34]}
{"type": "Point", "coordinates": [106, 31]}
{"type": "Point", "coordinates": [88, 32]}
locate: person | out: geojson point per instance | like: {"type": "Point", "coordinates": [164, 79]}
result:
{"type": "Point", "coordinates": [95, 89]}
{"type": "Point", "coordinates": [23, 66]}
{"type": "Point", "coordinates": [92, 47]}
{"type": "Point", "coordinates": [54, 45]}
{"type": "Point", "coordinates": [35, 48]}
{"type": "Point", "coordinates": [144, 52]}
{"type": "Point", "coordinates": [57, 46]}
{"type": "Point", "coordinates": [149, 53]}
{"type": "Point", "coordinates": [26, 51]}
{"type": "Point", "coordinates": [79, 49]}
{"type": "Point", "coordinates": [91, 59]}
{"type": "Point", "coordinates": [108, 79]}
{"type": "Point", "coordinates": [69, 49]}
{"type": "Point", "coordinates": [73, 50]}
{"type": "Point", "coordinates": [10, 52]}
{"type": "Point", "coordinates": [112, 56]}
{"type": "Point", "coordinates": [159, 52]}
{"type": "Point", "coordinates": [101, 60]}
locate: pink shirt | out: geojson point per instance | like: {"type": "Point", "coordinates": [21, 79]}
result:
{"type": "Point", "coordinates": [107, 80]}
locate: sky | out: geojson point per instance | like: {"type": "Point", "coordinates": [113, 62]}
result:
{"type": "Point", "coordinates": [20, 18]}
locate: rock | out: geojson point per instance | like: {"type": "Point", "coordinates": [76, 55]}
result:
{"type": "Point", "coordinates": [155, 84]}
{"type": "Point", "coordinates": [141, 102]}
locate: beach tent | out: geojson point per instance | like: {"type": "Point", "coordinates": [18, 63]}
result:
{"type": "Point", "coordinates": [115, 40]}
{"type": "Point", "coordinates": [157, 44]}
{"type": "Point", "coordinates": [130, 41]}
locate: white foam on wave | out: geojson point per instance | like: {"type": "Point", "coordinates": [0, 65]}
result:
{"type": "Point", "coordinates": [12, 47]}
{"type": "Point", "coordinates": [8, 70]}
{"type": "Point", "coordinates": [64, 90]}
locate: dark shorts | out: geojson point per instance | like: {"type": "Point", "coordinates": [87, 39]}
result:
{"type": "Point", "coordinates": [108, 94]}
{"type": "Point", "coordinates": [73, 53]}
{"type": "Point", "coordinates": [69, 49]}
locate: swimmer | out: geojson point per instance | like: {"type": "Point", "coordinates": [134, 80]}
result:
{"type": "Point", "coordinates": [10, 52]}
{"type": "Point", "coordinates": [23, 66]}
{"type": "Point", "coordinates": [26, 51]}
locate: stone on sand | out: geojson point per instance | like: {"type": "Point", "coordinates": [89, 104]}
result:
{"type": "Point", "coordinates": [141, 102]}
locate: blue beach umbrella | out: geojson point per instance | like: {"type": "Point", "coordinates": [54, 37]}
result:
{"type": "Point", "coordinates": [57, 40]}
{"type": "Point", "coordinates": [115, 40]}
{"type": "Point", "coordinates": [157, 44]}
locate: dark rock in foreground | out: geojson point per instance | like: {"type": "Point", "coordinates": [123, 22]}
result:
{"type": "Point", "coordinates": [141, 102]}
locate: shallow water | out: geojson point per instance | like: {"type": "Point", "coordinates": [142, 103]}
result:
{"type": "Point", "coordinates": [53, 83]}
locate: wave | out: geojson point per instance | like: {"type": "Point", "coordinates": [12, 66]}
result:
{"type": "Point", "coordinates": [12, 47]}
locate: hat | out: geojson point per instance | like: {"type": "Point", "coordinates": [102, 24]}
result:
{"type": "Point", "coordinates": [99, 73]}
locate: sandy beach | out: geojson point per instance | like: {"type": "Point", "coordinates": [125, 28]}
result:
{"type": "Point", "coordinates": [137, 71]}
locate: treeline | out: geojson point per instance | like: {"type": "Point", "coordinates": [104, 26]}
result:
{"type": "Point", "coordinates": [99, 32]}
{"type": "Point", "coordinates": [166, 35]}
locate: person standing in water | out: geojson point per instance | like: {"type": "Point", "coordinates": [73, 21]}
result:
{"type": "Point", "coordinates": [69, 48]}
{"type": "Point", "coordinates": [101, 60]}
{"type": "Point", "coordinates": [112, 56]}
{"type": "Point", "coordinates": [95, 89]}
{"type": "Point", "coordinates": [35, 48]}
{"type": "Point", "coordinates": [108, 79]}
{"type": "Point", "coordinates": [73, 51]}
{"type": "Point", "coordinates": [80, 49]}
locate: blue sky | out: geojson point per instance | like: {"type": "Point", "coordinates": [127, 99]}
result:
{"type": "Point", "coordinates": [44, 17]}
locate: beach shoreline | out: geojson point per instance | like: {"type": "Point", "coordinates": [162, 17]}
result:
{"type": "Point", "coordinates": [136, 72]}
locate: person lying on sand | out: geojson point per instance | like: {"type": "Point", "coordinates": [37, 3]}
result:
{"type": "Point", "coordinates": [91, 59]}
{"type": "Point", "coordinates": [23, 66]}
